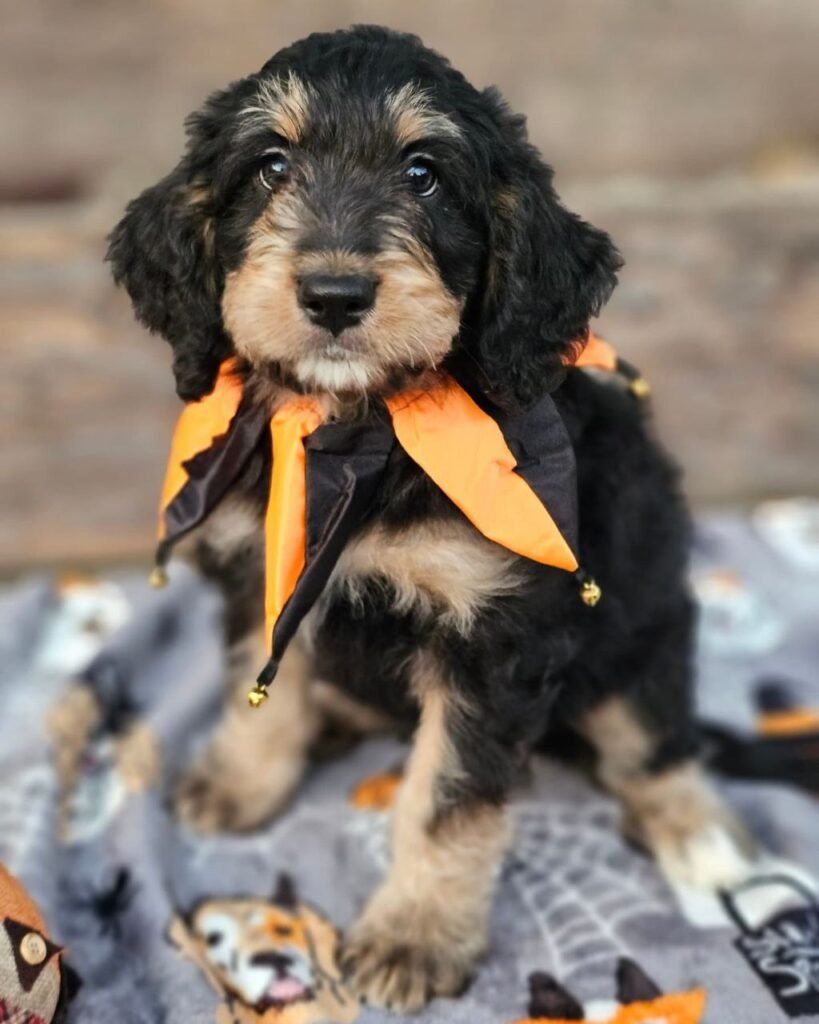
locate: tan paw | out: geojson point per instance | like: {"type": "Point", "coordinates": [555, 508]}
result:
{"type": "Point", "coordinates": [385, 968]}
{"type": "Point", "coordinates": [693, 834]}
{"type": "Point", "coordinates": [220, 796]}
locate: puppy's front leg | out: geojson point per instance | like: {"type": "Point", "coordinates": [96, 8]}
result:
{"type": "Point", "coordinates": [256, 757]}
{"type": "Point", "coordinates": [423, 929]}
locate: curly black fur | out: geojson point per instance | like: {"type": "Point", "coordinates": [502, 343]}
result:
{"type": "Point", "coordinates": [552, 271]}
{"type": "Point", "coordinates": [162, 254]}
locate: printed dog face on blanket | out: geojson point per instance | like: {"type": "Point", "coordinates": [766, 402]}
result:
{"type": "Point", "coordinates": [270, 960]}
{"type": "Point", "coordinates": [353, 214]}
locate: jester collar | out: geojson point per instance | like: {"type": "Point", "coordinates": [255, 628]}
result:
{"type": "Point", "coordinates": [511, 474]}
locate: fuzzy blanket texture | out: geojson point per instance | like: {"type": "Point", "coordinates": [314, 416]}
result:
{"type": "Point", "coordinates": [163, 925]}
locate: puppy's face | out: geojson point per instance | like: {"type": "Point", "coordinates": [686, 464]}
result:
{"type": "Point", "coordinates": [354, 214]}
{"type": "Point", "coordinates": [349, 244]}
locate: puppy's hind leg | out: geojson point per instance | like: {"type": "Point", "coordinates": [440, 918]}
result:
{"type": "Point", "coordinates": [670, 806]}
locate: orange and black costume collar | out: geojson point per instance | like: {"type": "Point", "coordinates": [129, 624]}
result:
{"type": "Point", "coordinates": [511, 474]}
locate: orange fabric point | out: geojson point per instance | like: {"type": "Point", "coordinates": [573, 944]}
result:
{"type": "Point", "coordinates": [596, 354]}
{"type": "Point", "coordinates": [198, 426]}
{"type": "Point", "coordinates": [285, 527]}
{"type": "Point", "coordinates": [463, 451]}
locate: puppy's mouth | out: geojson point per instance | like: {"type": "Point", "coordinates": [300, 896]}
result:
{"type": "Point", "coordinates": [336, 348]}
{"type": "Point", "coordinates": [335, 352]}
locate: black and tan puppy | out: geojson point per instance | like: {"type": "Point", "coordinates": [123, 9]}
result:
{"type": "Point", "coordinates": [346, 221]}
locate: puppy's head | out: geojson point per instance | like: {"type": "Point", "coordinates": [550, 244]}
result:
{"type": "Point", "coordinates": [354, 214]}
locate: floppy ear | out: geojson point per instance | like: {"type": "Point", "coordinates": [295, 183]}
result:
{"type": "Point", "coordinates": [548, 271]}
{"type": "Point", "coordinates": [162, 251]}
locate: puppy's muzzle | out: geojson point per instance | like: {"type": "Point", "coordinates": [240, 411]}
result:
{"type": "Point", "coordinates": [336, 301]}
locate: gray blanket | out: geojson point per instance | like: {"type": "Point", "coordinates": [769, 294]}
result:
{"type": "Point", "coordinates": [134, 896]}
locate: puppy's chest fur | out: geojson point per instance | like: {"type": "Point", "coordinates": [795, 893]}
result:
{"type": "Point", "coordinates": [441, 569]}
{"type": "Point", "coordinates": [403, 581]}
{"type": "Point", "coordinates": [397, 590]}
{"type": "Point", "coordinates": [415, 558]}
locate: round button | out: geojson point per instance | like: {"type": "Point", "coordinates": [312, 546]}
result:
{"type": "Point", "coordinates": [33, 949]}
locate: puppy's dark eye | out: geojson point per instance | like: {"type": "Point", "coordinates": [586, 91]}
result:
{"type": "Point", "coordinates": [274, 170]}
{"type": "Point", "coordinates": [422, 177]}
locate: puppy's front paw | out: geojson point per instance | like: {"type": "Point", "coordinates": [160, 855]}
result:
{"type": "Point", "coordinates": [221, 795]}
{"type": "Point", "coordinates": [388, 969]}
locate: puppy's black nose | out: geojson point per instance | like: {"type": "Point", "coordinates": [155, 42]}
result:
{"type": "Point", "coordinates": [336, 301]}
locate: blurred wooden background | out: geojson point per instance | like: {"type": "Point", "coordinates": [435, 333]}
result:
{"type": "Point", "coordinates": [687, 128]}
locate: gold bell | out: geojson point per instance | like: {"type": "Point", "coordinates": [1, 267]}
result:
{"type": "Point", "coordinates": [257, 696]}
{"type": "Point", "coordinates": [639, 387]}
{"type": "Point", "coordinates": [158, 578]}
{"type": "Point", "coordinates": [590, 592]}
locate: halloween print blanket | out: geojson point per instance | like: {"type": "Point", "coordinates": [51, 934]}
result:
{"type": "Point", "coordinates": [161, 926]}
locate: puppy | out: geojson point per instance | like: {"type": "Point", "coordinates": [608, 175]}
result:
{"type": "Point", "coordinates": [351, 218]}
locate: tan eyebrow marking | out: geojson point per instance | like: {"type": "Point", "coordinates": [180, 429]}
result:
{"type": "Point", "coordinates": [283, 105]}
{"type": "Point", "coordinates": [415, 118]}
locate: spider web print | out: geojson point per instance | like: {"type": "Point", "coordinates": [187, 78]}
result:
{"type": "Point", "coordinates": [371, 832]}
{"type": "Point", "coordinates": [26, 816]}
{"type": "Point", "coordinates": [580, 883]}
{"type": "Point", "coordinates": [573, 874]}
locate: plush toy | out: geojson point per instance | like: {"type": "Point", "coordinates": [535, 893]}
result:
{"type": "Point", "coordinates": [638, 1001]}
{"type": "Point", "coordinates": [326, 475]}
{"type": "Point", "coordinates": [35, 985]}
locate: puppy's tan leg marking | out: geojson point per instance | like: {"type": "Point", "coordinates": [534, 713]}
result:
{"type": "Point", "coordinates": [423, 929]}
{"type": "Point", "coordinates": [256, 757]}
{"type": "Point", "coordinates": [444, 568]}
{"type": "Point", "coordinates": [676, 813]}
